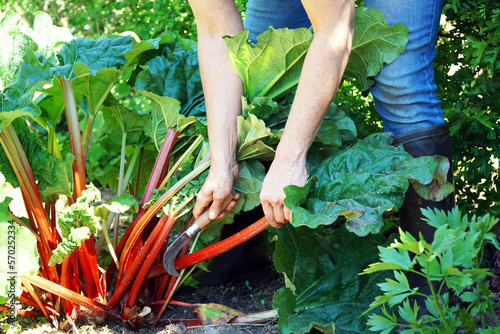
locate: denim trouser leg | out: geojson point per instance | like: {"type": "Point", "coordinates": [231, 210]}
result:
{"type": "Point", "coordinates": [404, 91]}
{"type": "Point", "coordinates": [261, 14]}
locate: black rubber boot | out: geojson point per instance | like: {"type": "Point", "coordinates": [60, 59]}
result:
{"type": "Point", "coordinates": [424, 142]}
{"type": "Point", "coordinates": [251, 261]}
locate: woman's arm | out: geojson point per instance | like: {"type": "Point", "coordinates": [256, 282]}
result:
{"type": "Point", "coordinates": [223, 90]}
{"type": "Point", "coordinates": [324, 65]}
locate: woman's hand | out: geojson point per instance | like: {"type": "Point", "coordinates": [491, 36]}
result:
{"type": "Point", "coordinates": [272, 195]}
{"type": "Point", "coordinates": [215, 190]}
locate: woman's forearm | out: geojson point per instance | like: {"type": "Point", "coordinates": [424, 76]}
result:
{"type": "Point", "coordinates": [320, 77]}
{"type": "Point", "coordinates": [221, 85]}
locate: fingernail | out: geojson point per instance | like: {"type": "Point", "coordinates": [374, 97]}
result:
{"type": "Point", "coordinates": [212, 215]}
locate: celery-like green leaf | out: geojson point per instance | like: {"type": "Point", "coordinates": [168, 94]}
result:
{"type": "Point", "coordinates": [74, 239]}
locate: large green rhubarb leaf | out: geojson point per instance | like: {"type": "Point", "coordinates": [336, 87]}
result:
{"type": "Point", "coordinates": [177, 76]}
{"type": "Point", "coordinates": [252, 134]}
{"type": "Point", "coordinates": [20, 70]}
{"type": "Point", "coordinates": [49, 38]}
{"type": "Point", "coordinates": [272, 66]}
{"type": "Point", "coordinates": [374, 44]}
{"type": "Point", "coordinates": [362, 182]}
{"type": "Point", "coordinates": [323, 287]}
{"type": "Point", "coordinates": [95, 54]}
{"type": "Point", "coordinates": [165, 115]}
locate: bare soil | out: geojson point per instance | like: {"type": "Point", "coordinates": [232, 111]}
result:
{"type": "Point", "coordinates": [241, 296]}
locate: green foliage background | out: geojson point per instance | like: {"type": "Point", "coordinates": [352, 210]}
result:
{"type": "Point", "coordinates": [467, 74]}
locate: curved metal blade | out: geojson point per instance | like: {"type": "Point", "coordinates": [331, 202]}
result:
{"type": "Point", "coordinates": [172, 251]}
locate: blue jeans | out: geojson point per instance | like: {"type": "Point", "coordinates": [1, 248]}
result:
{"type": "Point", "coordinates": [404, 91]}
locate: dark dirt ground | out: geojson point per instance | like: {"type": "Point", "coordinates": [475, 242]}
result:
{"type": "Point", "coordinates": [240, 295]}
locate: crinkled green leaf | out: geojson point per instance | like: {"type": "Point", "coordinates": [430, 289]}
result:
{"type": "Point", "coordinates": [134, 56]}
{"type": "Point", "coordinates": [337, 128]}
{"type": "Point", "coordinates": [96, 55]}
{"type": "Point", "coordinates": [272, 66]}
{"type": "Point", "coordinates": [272, 113]}
{"type": "Point", "coordinates": [14, 44]}
{"type": "Point", "coordinates": [321, 274]}
{"type": "Point", "coordinates": [176, 76]}
{"type": "Point", "coordinates": [249, 183]}
{"type": "Point", "coordinates": [252, 134]}
{"type": "Point", "coordinates": [20, 257]}
{"type": "Point", "coordinates": [74, 239]}
{"type": "Point", "coordinates": [120, 120]}
{"type": "Point", "coordinates": [81, 213]}
{"type": "Point", "coordinates": [359, 183]}
{"type": "Point", "coordinates": [123, 120]}
{"type": "Point", "coordinates": [374, 44]}
{"type": "Point", "coordinates": [17, 92]}
{"type": "Point", "coordinates": [36, 154]}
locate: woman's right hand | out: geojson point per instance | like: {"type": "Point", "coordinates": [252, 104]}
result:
{"type": "Point", "coordinates": [215, 190]}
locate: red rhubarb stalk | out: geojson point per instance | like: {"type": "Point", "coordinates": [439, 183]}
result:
{"type": "Point", "coordinates": [24, 174]}
{"type": "Point", "coordinates": [138, 260]}
{"type": "Point", "coordinates": [74, 138]}
{"type": "Point", "coordinates": [87, 272]}
{"type": "Point", "coordinates": [154, 180]}
{"type": "Point", "coordinates": [71, 296]}
{"type": "Point", "coordinates": [141, 224]}
{"type": "Point", "coordinates": [148, 262]}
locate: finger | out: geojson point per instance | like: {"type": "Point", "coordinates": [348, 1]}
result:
{"type": "Point", "coordinates": [269, 213]}
{"type": "Point", "coordinates": [216, 207]}
{"type": "Point", "coordinates": [288, 214]}
{"type": "Point", "coordinates": [232, 204]}
{"type": "Point", "coordinates": [202, 202]}
{"type": "Point", "coordinates": [279, 216]}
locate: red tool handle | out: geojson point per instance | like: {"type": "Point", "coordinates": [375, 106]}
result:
{"type": "Point", "coordinates": [222, 246]}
